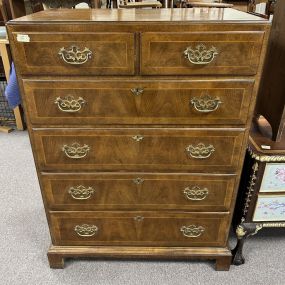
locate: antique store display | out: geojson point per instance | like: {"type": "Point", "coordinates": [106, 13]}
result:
{"type": "Point", "coordinates": [262, 188]}
{"type": "Point", "coordinates": [139, 122]}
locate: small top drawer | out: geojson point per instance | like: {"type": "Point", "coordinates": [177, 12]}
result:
{"type": "Point", "coordinates": [235, 53]}
{"type": "Point", "coordinates": [75, 53]}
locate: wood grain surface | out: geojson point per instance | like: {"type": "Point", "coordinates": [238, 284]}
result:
{"type": "Point", "coordinates": [138, 149]}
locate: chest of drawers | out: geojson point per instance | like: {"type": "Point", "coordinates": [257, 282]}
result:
{"type": "Point", "coordinates": [138, 121]}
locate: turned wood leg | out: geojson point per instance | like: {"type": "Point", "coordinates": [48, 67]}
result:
{"type": "Point", "coordinates": [56, 261]}
{"type": "Point", "coordinates": [243, 231]}
{"type": "Point", "coordinates": [223, 263]}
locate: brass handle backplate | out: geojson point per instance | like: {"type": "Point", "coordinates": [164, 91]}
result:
{"type": "Point", "coordinates": [137, 91]}
{"type": "Point", "coordinates": [69, 104]}
{"type": "Point", "coordinates": [195, 193]}
{"type": "Point", "coordinates": [138, 180]}
{"type": "Point", "coordinates": [86, 230]}
{"type": "Point", "coordinates": [73, 55]}
{"type": "Point", "coordinates": [200, 151]}
{"type": "Point", "coordinates": [75, 150]}
{"type": "Point", "coordinates": [80, 192]}
{"type": "Point", "coordinates": [200, 54]}
{"type": "Point", "coordinates": [192, 231]}
{"type": "Point", "coordinates": [138, 138]}
{"type": "Point", "coordinates": [206, 104]}
{"type": "Point", "coordinates": [138, 218]}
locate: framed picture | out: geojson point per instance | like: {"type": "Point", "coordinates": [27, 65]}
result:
{"type": "Point", "coordinates": [269, 208]}
{"type": "Point", "coordinates": [273, 178]}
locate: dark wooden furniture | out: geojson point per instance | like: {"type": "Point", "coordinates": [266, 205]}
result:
{"type": "Point", "coordinates": [271, 99]}
{"type": "Point", "coordinates": [206, 4]}
{"type": "Point", "coordinates": [269, 7]}
{"type": "Point", "coordinates": [17, 9]}
{"type": "Point", "coordinates": [261, 198]}
{"type": "Point", "coordinates": [139, 121]}
{"type": "Point", "coordinates": [209, 5]}
{"type": "Point", "coordinates": [4, 13]}
{"type": "Point", "coordinates": [64, 3]}
{"type": "Point", "coordinates": [139, 4]}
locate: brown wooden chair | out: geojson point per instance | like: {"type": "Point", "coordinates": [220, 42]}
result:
{"type": "Point", "coordinates": [142, 4]}
{"type": "Point", "coordinates": [204, 4]}
{"type": "Point", "coordinates": [6, 59]}
{"type": "Point", "coordinates": [17, 7]}
{"type": "Point", "coordinates": [268, 10]}
{"type": "Point", "coordinates": [37, 5]}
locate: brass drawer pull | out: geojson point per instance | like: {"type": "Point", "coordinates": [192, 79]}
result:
{"type": "Point", "coordinates": [200, 151]}
{"type": "Point", "coordinates": [73, 55]}
{"type": "Point", "coordinates": [86, 230]}
{"type": "Point", "coordinates": [138, 180]}
{"type": "Point", "coordinates": [200, 54]}
{"type": "Point", "coordinates": [206, 104]}
{"type": "Point", "coordinates": [137, 91]}
{"type": "Point", "coordinates": [69, 104]}
{"type": "Point", "coordinates": [192, 231]}
{"type": "Point", "coordinates": [138, 138]}
{"type": "Point", "coordinates": [195, 193]}
{"type": "Point", "coordinates": [80, 192]}
{"type": "Point", "coordinates": [76, 151]}
{"type": "Point", "coordinates": [138, 218]}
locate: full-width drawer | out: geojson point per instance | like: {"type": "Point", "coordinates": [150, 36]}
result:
{"type": "Point", "coordinates": [138, 191]}
{"type": "Point", "coordinates": [201, 53]}
{"type": "Point", "coordinates": [87, 102]}
{"type": "Point", "coordinates": [139, 228]}
{"type": "Point", "coordinates": [75, 53]}
{"type": "Point", "coordinates": [139, 149]}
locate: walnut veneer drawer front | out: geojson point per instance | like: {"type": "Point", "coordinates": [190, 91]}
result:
{"type": "Point", "coordinates": [138, 102]}
{"type": "Point", "coordinates": [139, 149]}
{"type": "Point", "coordinates": [76, 53]}
{"type": "Point", "coordinates": [138, 228]}
{"type": "Point", "coordinates": [201, 53]}
{"type": "Point", "coordinates": [139, 191]}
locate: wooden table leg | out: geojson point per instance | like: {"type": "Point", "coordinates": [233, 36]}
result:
{"type": "Point", "coordinates": [6, 59]}
{"type": "Point", "coordinates": [19, 118]}
{"type": "Point", "coordinates": [6, 64]}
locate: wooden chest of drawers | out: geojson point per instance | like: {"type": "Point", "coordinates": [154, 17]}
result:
{"type": "Point", "coordinates": [138, 121]}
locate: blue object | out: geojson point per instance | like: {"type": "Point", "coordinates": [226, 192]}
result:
{"type": "Point", "coordinates": [12, 92]}
{"type": "Point", "coordinates": [3, 32]}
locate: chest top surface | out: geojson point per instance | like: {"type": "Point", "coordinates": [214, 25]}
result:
{"type": "Point", "coordinates": [227, 15]}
